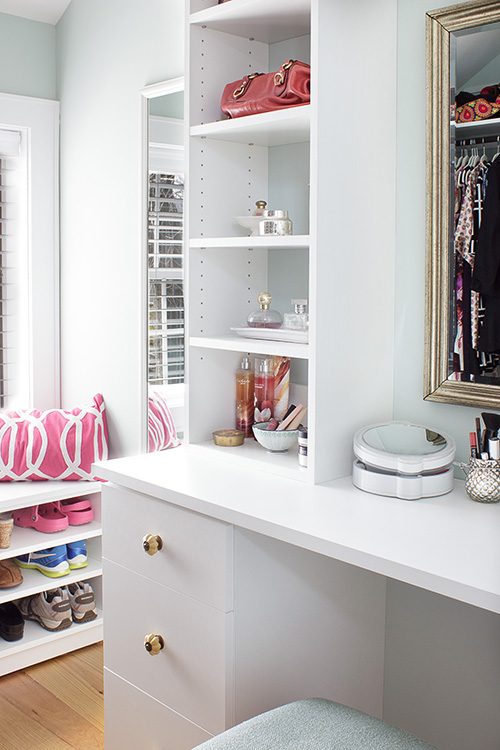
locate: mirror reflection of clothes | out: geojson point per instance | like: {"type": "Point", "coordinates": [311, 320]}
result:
{"type": "Point", "coordinates": [474, 359]}
{"type": "Point", "coordinates": [486, 278]}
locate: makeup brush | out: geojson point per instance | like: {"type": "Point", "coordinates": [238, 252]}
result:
{"type": "Point", "coordinates": [492, 424]}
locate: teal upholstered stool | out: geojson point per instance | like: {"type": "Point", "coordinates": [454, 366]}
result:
{"type": "Point", "coordinates": [314, 724]}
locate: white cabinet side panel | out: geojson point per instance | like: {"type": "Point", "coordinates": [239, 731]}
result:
{"type": "Point", "coordinates": [442, 669]}
{"type": "Point", "coordinates": [305, 626]}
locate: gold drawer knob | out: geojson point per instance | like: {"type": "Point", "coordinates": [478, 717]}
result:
{"type": "Point", "coordinates": [153, 644]}
{"type": "Point", "coordinates": [152, 544]}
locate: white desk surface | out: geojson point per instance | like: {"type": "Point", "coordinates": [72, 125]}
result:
{"type": "Point", "coordinates": [448, 544]}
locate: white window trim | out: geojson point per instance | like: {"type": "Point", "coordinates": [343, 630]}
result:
{"type": "Point", "coordinates": [39, 119]}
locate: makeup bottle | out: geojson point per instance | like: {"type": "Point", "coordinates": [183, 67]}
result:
{"type": "Point", "coordinates": [298, 320]}
{"type": "Point", "coordinates": [264, 317]}
{"type": "Point", "coordinates": [264, 390]}
{"type": "Point", "coordinates": [245, 380]}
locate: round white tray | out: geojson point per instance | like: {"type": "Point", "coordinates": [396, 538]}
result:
{"type": "Point", "coordinates": [273, 334]}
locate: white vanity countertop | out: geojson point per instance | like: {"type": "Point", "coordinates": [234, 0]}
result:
{"type": "Point", "coordinates": [448, 544]}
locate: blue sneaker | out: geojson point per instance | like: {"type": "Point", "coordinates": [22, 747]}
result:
{"type": "Point", "coordinates": [52, 562]}
{"type": "Point", "coordinates": [77, 554]}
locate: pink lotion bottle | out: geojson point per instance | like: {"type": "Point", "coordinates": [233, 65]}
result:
{"type": "Point", "coordinates": [264, 390]}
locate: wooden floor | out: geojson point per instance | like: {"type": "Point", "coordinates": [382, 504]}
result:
{"type": "Point", "coordinates": [55, 705]}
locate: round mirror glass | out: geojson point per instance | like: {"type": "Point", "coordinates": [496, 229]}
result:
{"type": "Point", "coordinates": [404, 439]}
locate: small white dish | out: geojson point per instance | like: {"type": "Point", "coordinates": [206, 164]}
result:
{"type": "Point", "coordinates": [250, 222]}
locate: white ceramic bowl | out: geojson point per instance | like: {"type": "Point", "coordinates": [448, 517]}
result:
{"type": "Point", "coordinates": [274, 441]}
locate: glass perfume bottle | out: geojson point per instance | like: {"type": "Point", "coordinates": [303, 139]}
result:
{"type": "Point", "coordinates": [298, 320]}
{"type": "Point", "coordinates": [264, 317]}
{"type": "Point", "coordinates": [264, 390]}
{"type": "Point", "coordinates": [261, 208]}
{"type": "Point", "coordinates": [245, 380]}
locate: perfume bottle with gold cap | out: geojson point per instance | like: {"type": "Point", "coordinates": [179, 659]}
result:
{"type": "Point", "coordinates": [264, 317]}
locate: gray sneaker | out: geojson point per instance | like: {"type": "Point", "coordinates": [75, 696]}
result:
{"type": "Point", "coordinates": [51, 609]}
{"type": "Point", "coordinates": [82, 601]}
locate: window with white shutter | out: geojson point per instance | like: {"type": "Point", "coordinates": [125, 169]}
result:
{"type": "Point", "coordinates": [29, 253]}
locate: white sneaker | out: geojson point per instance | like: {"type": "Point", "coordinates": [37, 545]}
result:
{"type": "Point", "coordinates": [82, 601]}
{"type": "Point", "coordinates": [51, 609]}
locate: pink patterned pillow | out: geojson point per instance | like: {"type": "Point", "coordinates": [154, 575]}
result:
{"type": "Point", "coordinates": [53, 444]}
{"type": "Point", "coordinates": [161, 429]}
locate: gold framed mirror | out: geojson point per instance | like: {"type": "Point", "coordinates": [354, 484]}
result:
{"type": "Point", "coordinates": [444, 381]}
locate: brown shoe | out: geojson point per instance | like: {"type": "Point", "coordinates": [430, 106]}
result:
{"type": "Point", "coordinates": [10, 575]}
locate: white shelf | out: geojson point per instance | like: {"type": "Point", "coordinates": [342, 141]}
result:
{"type": "Point", "coordinates": [252, 346]}
{"type": "Point", "coordinates": [35, 635]}
{"type": "Point", "coordinates": [480, 129]}
{"type": "Point", "coordinates": [254, 456]}
{"type": "Point", "coordinates": [289, 241]}
{"type": "Point", "coordinates": [24, 540]}
{"type": "Point", "coordinates": [23, 494]}
{"type": "Point", "coordinates": [34, 581]}
{"type": "Point", "coordinates": [290, 125]}
{"type": "Point", "coordinates": [265, 21]}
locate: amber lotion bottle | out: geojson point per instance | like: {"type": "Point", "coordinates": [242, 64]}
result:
{"type": "Point", "coordinates": [245, 380]}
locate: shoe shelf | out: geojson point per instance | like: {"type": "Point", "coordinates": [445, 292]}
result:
{"type": "Point", "coordinates": [279, 128]}
{"type": "Point", "coordinates": [35, 582]}
{"type": "Point", "coordinates": [267, 22]}
{"type": "Point", "coordinates": [28, 540]}
{"type": "Point", "coordinates": [39, 644]}
{"type": "Point", "coordinates": [23, 494]}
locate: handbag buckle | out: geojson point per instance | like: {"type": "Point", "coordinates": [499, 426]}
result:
{"type": "Point", "coordinates": [279, 77]}
{"type": "Point", "coordinates": [239, 92]}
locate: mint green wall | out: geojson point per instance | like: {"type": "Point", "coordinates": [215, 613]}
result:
{"type": "Point", "coordinates": [107, 50]}
{"type": "Point", "coordinates": [27, 57]}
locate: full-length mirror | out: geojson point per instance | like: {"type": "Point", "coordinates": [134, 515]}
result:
{"type": "Point", "coordinates": [462, 359]}
{"type": "Point", "coordinates": [163, 251]}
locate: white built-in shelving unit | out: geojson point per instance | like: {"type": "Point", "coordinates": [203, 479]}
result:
{"type": "Point", "coordinates": [304, 159]}
{"type": "Point", "coordinates": [37, 643]}
{"type": "Point", "coordinates": [232, 164]}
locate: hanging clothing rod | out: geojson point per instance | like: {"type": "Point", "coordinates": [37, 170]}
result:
{"type": "Point", "coordinates": [464, 142]}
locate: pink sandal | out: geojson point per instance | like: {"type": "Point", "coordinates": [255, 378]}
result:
{"type": "Point", "coordinates": [78, 511]}
{"type": "Point", "coordinates": [47, 518]}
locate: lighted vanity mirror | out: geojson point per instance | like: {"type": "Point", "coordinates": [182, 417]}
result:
{"type": "Point", "coordinates": [403, 460]}
{"type": "Point", "coordinates": [163, 252]}
{"type": "Point", "coordinates": [462, 358]}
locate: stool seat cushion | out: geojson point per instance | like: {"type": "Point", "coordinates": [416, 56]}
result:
{"type": "Point", "coordinates": [314, 724]}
